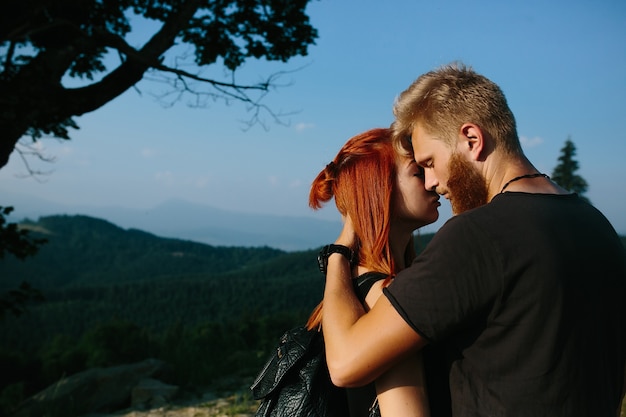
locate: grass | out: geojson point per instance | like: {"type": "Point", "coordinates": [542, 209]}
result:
{"type": "Point", "coordinates": [236, 405]}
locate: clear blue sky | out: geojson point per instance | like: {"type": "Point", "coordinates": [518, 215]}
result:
{"type": "Point", "coordinates": [562, 65]}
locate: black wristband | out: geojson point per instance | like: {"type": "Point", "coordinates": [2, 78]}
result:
{"type": "Point", "coordinates": [322, 257]}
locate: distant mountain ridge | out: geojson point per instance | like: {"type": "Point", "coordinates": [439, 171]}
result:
{"type": "Point", "coordinates": [191, 221]}
{"type": "Point", "coordinates": [83, 250]}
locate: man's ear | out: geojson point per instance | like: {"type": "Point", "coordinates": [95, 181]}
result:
{"type": "Point", "coordinates": [471, 141]}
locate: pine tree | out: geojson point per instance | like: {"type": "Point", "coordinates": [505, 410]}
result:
{"type": "Point", "coordinates": [564, 173]}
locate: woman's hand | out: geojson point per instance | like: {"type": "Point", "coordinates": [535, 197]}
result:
{"type": "Point", "coordinates": [347, 237]}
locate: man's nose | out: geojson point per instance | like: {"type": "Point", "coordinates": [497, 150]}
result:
{"type": "Point", "coordinates": [430, 181]}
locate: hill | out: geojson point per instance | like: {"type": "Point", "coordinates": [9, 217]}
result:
{"type": "Point", "coordinates": [91, 270]}
{"type": "Point", "coordinates": [115, 295]}
{"type": "Point", "coordinates": [192, 221]}
{"type": "Point", "coordinates": [83, 250]}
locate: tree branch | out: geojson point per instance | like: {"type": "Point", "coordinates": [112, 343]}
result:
{"type": "Point", "coordinates": [118, 43]}
{"type": "Point", "coordinates": [8, 62]}
{"type": "Point", "coordinates": [26, 150]}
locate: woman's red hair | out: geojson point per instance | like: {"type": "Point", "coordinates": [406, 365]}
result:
{"type": "Point", "coordinates": [362, 179]}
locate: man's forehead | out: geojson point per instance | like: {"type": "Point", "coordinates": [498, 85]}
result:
{"type": "Point", "coordinates": [427, 145]}
{"type": "Point", "coordinates": [419, 132]}
{"type": "Point", "coordinates": [420, 139]}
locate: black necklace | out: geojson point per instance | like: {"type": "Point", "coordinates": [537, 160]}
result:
{"type": "Point", "coordinates": [521, 177]}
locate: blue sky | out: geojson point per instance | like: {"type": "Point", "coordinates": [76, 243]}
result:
{"type": "Point", "coordinates": [561, 64]}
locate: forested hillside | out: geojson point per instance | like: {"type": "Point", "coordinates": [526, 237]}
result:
{"type": "Point", "coordinates": [114, 296]}
{"type": "Point", "coordinates": [84, 251]}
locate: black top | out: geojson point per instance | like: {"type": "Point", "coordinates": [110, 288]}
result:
{"type": "Point", "coordinates": [364, 282]}
{"type": "Point", "coordinates": [525, 295]}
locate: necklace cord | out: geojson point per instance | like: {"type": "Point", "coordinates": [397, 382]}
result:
{"type": "Point", "coordinates": [521, 177]}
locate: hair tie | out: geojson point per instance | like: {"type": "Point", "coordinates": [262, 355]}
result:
{"type": "Point", "coordinates": [331, 168]}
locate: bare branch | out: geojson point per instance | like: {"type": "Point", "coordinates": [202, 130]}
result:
{"type": "Point", "coordinates": [227, 92]}
{"type": "Point", "coordinates": [27, 150]}
{"type": "Point", "coordinates": [262, 86]}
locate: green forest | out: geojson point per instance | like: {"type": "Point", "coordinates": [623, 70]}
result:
{"type": "Point", "coordinates": [113, 296]}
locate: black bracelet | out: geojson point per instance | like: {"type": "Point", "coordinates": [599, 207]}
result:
{"type": "Point", "coordinates": [322, 257]}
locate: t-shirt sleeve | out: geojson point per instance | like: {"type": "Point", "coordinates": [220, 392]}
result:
{"type": "Point", "coordinates": [452, 285]}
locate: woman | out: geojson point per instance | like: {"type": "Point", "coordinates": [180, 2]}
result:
{"type": "Point", "coordinates": [382, 193]}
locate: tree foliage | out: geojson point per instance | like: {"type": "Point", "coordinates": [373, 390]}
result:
{"type": "Point", "coordinates": [19, 243]}
{"type": "Point", "coordinates": [14, 240]}
{"type": "Point", "coordinates": [564, 173]}
{"type": "Point", "coordinates": [43, 43]}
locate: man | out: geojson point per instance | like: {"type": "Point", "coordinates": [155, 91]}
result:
{"type": "Point", "coordinates": [523, 290]}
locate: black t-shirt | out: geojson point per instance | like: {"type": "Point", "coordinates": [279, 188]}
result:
{"type": "Point", "coordinates": [526, 296]}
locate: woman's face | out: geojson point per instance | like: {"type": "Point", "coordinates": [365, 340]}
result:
{"type": "Point", "coordinates": [413, 205]}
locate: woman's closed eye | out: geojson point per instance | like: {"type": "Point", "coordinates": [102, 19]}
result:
{"type": "Point", "coordinates": [419, 173]}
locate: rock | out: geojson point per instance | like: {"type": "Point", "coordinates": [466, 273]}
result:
{"type": "Point", "coordinates": [152, 393]}
{"type": "Point", "coordinates": [94, 390]}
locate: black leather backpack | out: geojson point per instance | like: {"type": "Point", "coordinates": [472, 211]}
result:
{"type": "Point", "coordinates": [295, 382]}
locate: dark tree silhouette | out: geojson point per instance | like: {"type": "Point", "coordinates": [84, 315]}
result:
{"type": "Point", "coordinates": [17, 242]}
{"type": "Point", "coordinates": [564, 173]}
{"type": "Point", "coordinates": [43, 43]}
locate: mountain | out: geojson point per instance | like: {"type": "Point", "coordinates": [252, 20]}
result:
{"type": "Point", "coordinates": [82, 250]}
{"type": "Point", "coordinates": [91, 271]}
{"type": "Point", "coordinates": [115, 296]}
{"type": "Point", "coordinates": [199, 223]}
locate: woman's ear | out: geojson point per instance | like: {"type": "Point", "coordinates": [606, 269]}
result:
{"type": "Point", "coordinates": [471, 141]}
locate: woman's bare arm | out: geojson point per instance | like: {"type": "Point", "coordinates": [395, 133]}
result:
{"type": "Point", "coordinates": [360, 347]}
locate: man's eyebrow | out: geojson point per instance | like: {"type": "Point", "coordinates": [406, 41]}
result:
{"type": "Point", "coordinates": [424, 162]}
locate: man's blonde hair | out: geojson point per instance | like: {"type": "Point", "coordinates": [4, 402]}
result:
{"type": "Point", "coordinates": [441, 101]}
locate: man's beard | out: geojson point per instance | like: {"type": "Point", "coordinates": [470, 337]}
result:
{"type": "Point", "coordinates": [466, 186]}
